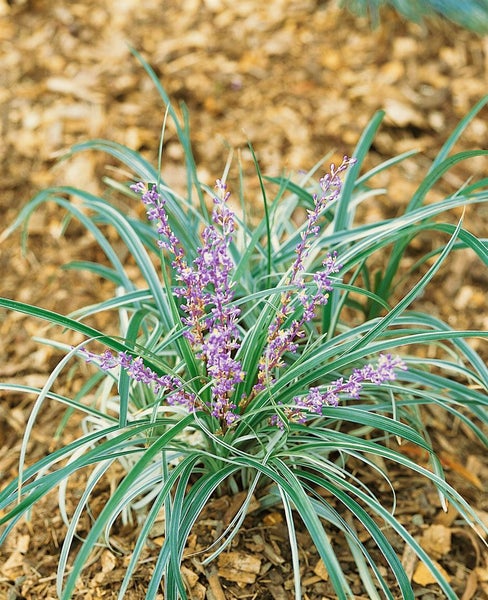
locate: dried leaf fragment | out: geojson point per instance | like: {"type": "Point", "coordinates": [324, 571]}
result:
{"type": "Point", "coordinates": [190, 576]}
{"type": "Point", "coordinates": [436, 540]}
{"type": "Point", "coordinates": [321, 571]}
{"type": "Point", "coordinates": [239, 567]}
{"type": "Point", "coordinates": [423, 576]}
{"type": "Point", "coordinates": [108, 561]}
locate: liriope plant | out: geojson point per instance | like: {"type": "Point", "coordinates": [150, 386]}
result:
{"type": "Point", "coordinates": [263, 359]}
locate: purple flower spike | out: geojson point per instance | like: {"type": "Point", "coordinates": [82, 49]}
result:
{"type": "Point", "coordinates": [317, 398]}
{"type": "Point", "coordinates": [172, 386]}
{"type": "Point", "coordinates": [206, 293]}
{"type": "Point", "coordinates": [280, 340]}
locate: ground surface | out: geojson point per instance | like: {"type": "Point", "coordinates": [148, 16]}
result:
{"type": "Point", "coordinates": [299, 78]}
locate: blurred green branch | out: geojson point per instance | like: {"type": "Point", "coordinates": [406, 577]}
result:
{"type": "Point", "coordinates": [471, 14]}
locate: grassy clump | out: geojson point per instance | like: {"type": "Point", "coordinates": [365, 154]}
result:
{"type": "Point", "coordinates": [242, 336]}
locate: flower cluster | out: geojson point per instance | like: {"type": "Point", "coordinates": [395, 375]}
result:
{"type": "Point", "coordinates": [281, 340]}
{"type": "Point", "coordinates": [210, 318]}
{"type": "Point", "coordinates": [331, 186]}
{"type": "Point", "coordinates": [172, 386]}
{"type": "Point", "coordinates": [206, 291]}
{"type": "Point", "coordinates": [214, 265]}
{"type": "Point", "coordinates": [316, 398]}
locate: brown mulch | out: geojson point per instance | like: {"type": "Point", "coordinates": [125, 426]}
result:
{"type": "Point", "coordinates": [299, 79]}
